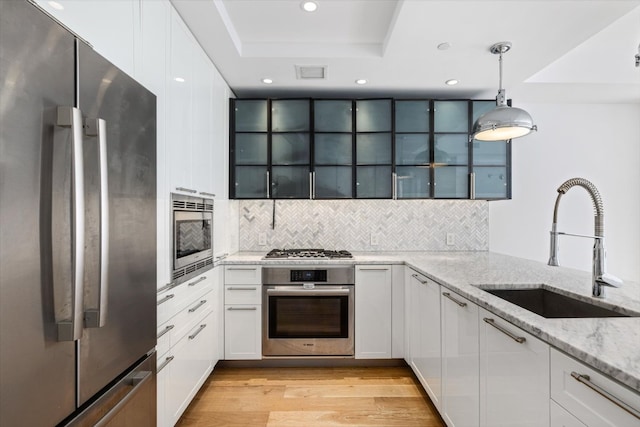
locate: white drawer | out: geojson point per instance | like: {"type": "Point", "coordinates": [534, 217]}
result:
{"type": "Point", "coordinates": [561, 418]}
{"type": "Point", "coordinates": [595, 408]}
{"type": "Point", "coordinates": [174, 300]}
{"type": "Point", "coordinates": [243, 294]}
{"type": "Point", "coordinates": [243, 275]}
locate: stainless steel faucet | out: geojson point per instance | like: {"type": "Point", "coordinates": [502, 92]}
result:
{"type": "Point", "coordinates": [600, 278]}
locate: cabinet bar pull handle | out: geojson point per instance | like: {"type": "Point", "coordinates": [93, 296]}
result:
{"type": "Point", "coordinates": [186, 190]}
{"type": "Point", "coordinates": [242, 268]}
{"type": "Point", "coordinates": [460, 303]}
{"type": "Point", "coordinates": [374, 269]}
{"type": "Point", "coordinates": [200, 304]}
{"type": "Point", "coordinates": [242, 288]}
{"type": "Point", "coordinates": [415, 276]}
{"type": "Point", "coordinates": [313, 187]}
{"type": "Point", "coordinates": [165, 363]}
{"type": "Point", "coordinates": [165, 299]}
{"type": "Point", "coordinates": [195, 282]}
{"type": "Point", "coordinates": [166, 287]}
{"type": "Point", "coordinates": [165, 330]}
{"type": "Point", "coordinates": [516, 338]}
{"type": "Point", "coordinates": [268, 186]}
{"type": "Point", "coordinates": [472, 185]}
{"type": "Point", "coordinates": [223, 256]}
{"type": "Point", "coordinates": [243, 308]}
{"type": "Point", "coordinates": [195, 334]}
{"type": "Point", "coordinates": [394, 186]}
{"type": "Point", "coordinates": [586, 380]}
{"type": "Point", "coordinates": [204, 193]}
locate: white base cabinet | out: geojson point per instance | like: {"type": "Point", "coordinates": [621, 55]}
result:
{"type": "Point", "coordinates": [590, 396]}
{"type": "Point", "coordinates": [243, 312]}
{"type": "Point", "coordinates": [460, 361]}
{"type": "Point", "coordinates": [514, 375]}
{"type": "Point", "coordinates": [560, 417]}
{"type": "Point", "coordinates": [373, 312]}
{"type": "Point", "coordinates": [423, 327]}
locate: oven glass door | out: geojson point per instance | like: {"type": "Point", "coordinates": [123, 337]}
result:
{"type": "Point", "coordinates": [192, 237]}
{"type": "Point", "coordinates": [308, 316]}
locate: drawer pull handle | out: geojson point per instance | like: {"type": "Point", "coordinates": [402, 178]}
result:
{"type": "Point", "coordinates": [204, 193]}
{"type": "Point", "coordinates": [165, 330]}
{"type": "Point", "coordinates": [195, 282]}
{"type": "Point", "coordinates": [516, 338]}
{"type": "Point", "coordinates": [200, 304]}
{"type": "Point", "coordinates": [373, 269]}
{"type": "Point", "coordinates": [165, 363]}
{"type": "Point", "coordinates": [241, 269]}
{"type": "Point", "coordinates": [243, 308]}
{"type": "Point", "coordinates": [165, 299]}
{"type": "Point", "coordinates": [460, 303]}
{"type": "Point", "coordinates": [195, 334]}
{"type": "Point", "coordinates": [241, 288]}
{"type": "Point", "coordinates": [166, 287]}
{"type": "Point", "coordinates": [586, 380]}
{"type": "Point", "coordinates": [415, 276]}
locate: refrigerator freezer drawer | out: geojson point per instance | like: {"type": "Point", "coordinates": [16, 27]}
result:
{"type": "Point", "coordinates": [130, 402]}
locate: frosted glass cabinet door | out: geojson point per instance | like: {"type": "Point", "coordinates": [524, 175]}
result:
{"type": "Point", "coordinates": [373, 182]}
{"type": "Point", "coordinates": [333, 182]}
{"type": "Point", "coordinates": [451, 149]}
{"type": "Point", "coordinates": [251, 115]}
{"type": "Point", "coordinates": [491, 182]}
{"type": "Point", "coordinates": [412, 182]}
{"type": "Point", "coordinates": [290, 182]}
{"type": "Point", "coordinates": [290, 149]}
{"type": "Point", "coordinates": [333, 115]}
{"type": "Point", "coordinates": [251, 182]}
{"type": "Point", "coordinates": [451, 116]}
{"type": "Point", "coordinates": [291, 115]}
{"type": "Point", "coordinates": [412, 116]}
{"type": "Point", "coordinates": [251, 149]}
{"type": "Point", "coordinates": [492, 153]}
{"type": "Point", "coordinates": [451, 182]}
{"type": "Point", "coordinates": [373, 148]}
{"type": "Point", "coordinates": [481, 107]}
{"type": "Point", "coordinates": [373, 115]}
{"type": "Point", "coordinates": [412, 149]}
{"type": "Point", "coordinates": [333, 149]}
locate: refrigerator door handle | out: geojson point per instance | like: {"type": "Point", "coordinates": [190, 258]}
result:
{"type": "Point", "coordinates": [137, 380]}
{"type": "Point", "coordinates": [71, 329]}
{"type": "Point", "coordinates": [97, 317]}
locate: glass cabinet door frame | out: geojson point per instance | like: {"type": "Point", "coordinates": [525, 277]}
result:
{"type": "Point", "coordinates": [394, 165]}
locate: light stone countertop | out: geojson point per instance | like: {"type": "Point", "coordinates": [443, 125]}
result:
{"type": "Point", "coordinates": [610, 345]}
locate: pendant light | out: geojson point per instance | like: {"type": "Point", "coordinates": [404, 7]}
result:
{"type": "Point", "coordinates": [503, 122]}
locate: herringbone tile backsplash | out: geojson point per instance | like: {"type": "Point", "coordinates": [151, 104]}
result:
{"type": "Point", "coordinates": [398, 225]}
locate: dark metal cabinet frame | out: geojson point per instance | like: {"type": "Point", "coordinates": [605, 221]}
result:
{"type": "Point", "coordinates": [266, 191]}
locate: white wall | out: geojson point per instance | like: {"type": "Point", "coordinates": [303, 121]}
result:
{"type": "Point", "coordinates": [605, 149]}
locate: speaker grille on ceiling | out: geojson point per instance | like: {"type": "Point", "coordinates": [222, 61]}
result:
{"type": "Point", "coordinates": [311, 71]}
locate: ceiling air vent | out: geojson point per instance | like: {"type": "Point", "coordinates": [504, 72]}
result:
{"type": "Point", "coordinates": [311, 71]}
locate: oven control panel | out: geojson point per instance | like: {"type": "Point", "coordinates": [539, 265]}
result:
{"type": "Point", "coordinates": [308, 275]}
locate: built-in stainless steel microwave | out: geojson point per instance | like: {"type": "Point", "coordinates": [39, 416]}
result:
{"type": "Point", "coordinates": [192, 244]}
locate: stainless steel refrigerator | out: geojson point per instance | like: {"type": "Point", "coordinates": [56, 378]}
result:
{"type": "Point", "coordinates": [77, 231]}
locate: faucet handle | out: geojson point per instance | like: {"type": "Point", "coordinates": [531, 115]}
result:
{"type": "Point", "coordinates": [609, 280]}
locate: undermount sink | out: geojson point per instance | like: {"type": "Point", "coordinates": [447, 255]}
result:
{"type": "Point", "coordinates": [552, 305]}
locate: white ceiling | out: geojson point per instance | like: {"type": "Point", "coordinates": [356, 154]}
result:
{"type": "Point", "coordinates": [563, 51]}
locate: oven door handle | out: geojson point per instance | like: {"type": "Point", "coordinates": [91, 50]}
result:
{"type": "Point", "coordinates": [310, 292]}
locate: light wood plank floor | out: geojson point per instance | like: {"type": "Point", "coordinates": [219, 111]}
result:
{"type": "Point", "coordinates": [310, 397]}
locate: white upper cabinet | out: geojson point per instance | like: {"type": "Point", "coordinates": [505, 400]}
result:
{"type": "Point", "coordinates": [109, 26]}
{"type": "Point", "coordinates": [202, 161]}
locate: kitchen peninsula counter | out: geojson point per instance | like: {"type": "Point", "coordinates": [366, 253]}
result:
{"type": "Point", "coordinates": [609, 345]}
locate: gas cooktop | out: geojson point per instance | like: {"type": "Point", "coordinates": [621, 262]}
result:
{"type": "Point", "coordinates": [307, 254]}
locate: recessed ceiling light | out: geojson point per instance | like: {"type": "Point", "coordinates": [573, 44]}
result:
{"type": "Point", "coordinates": [452, 82]}
{"type": "Point", "coordinates": [309, 6]}
{"type": "Point", "coordinates": [361, 81]}
{"type": "Point", "coordinates": [444, 46]}
{"type": "Point", "coordinates": [56, 5]}
{"type": "Point", "coordinates": [267, 81]}
{"type": "Point", "coordinates": [179, 79]}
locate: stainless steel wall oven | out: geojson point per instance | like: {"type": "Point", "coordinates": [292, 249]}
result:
{"type": "Point", "coordinates": [192, 243]}
{"type": "Point", "coordinates": [308, 311]}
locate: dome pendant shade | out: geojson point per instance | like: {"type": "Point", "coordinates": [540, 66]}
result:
{"type": "Point", "coordinates": [503, 122]}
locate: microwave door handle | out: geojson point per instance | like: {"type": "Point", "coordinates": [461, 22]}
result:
{"type": "Point", "coordinates": [71, 329]}
{"type": "Point", "coordinates": [96, 318]}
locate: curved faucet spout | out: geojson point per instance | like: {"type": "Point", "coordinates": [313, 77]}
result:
{"type": "Point", "coordinates": [600, 278]}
